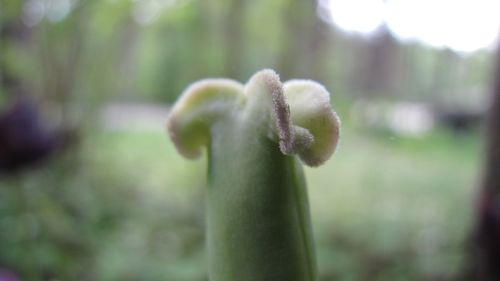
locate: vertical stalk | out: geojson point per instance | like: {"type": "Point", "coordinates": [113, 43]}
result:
{"type": "Point", "coordinates": [258, 224]}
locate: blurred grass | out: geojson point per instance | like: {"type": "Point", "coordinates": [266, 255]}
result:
{"type": "Point", "coordinates": [128, 207]}
{"type": "Point", "coordinates": [389, 208]}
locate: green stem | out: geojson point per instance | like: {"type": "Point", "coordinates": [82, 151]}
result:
{"type": "Point", "coordinates": [302, 204]}
{"type": "Point", "coordinates": [258, 224]}
{"type": "Point", "coordinates": [257, 217]}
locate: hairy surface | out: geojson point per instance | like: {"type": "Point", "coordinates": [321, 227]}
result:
{"type": "Point", "coordinates": [297, 114]}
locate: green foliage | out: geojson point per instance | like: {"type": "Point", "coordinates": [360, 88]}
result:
{"type": "Point", "coordinates": [125, 206]}
{"type": "Point", "coordinates": [136, 208]}
{"type": "Point", "coordinates": [120, 56]}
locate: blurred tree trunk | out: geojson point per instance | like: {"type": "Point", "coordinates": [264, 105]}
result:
{"type": "Point", "coordinates": [127, 58]}
{"type": "Point", "coordinates": [13, 34]}
{"type": "Point", "coordinates": [484, 252]}
{"type": "Point", "coordinates": [319, 45]}
{"type": "Point", "coordinates": [444, 71]}
{"type": "Point", "coordinates": [301, 56]}
{"type": "Point", "coordinates": [234, 27]}
{"type": "Point", "coordinates": [60, 55]}
{"type": "Point", "coordinates": [378, 75]}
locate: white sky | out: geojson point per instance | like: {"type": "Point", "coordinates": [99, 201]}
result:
{"type": "Point", "coordinates": [462, 25]}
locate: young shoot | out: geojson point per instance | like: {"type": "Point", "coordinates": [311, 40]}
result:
{"type": "Point", "coordinates": [257, 136]}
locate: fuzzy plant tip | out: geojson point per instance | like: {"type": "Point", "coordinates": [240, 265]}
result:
{"type": "Point", "coordinates": [296, 114]}
{"type": "Point", "coordinates": [258, 220]}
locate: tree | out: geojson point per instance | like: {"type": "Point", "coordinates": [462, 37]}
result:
{"type": "Point", "coordinates": [485, 242]}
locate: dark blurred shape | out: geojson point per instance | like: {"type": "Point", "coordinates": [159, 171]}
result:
{"type": "Point", "coordinates": [460, 122]}
{"type": "Point", "coordinates": [485, 251]}
{"type": "Point", "coordinates": [6, 275]}
{"type": "Point", "coordinates": [24, 141]}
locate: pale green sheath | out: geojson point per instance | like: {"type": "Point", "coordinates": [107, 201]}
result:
{"type": "Point", "coordinates": [258, 221]}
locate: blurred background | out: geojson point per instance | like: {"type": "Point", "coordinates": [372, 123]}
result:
{"type": "Point", "coordinates": [92, 189]}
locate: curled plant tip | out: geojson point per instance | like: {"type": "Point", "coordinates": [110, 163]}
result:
{"type": "Point", "coordinates": [199, 106]}
{"type": "Point", "coordinates": [304, 120]}
{"type": "Point", "coordinates": [310, 109]}
{"type": "Point", "coordinates": [276, 103]}
{"type": "Point", "coordinates": [299, 111]}
{"type": "Point", "coordinates": [258, 222]}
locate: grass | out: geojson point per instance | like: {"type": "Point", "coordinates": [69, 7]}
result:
{"type": "Point", "coordinates": [394, 208]}
{"type": "Point", "coordinates": [383, 208]}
